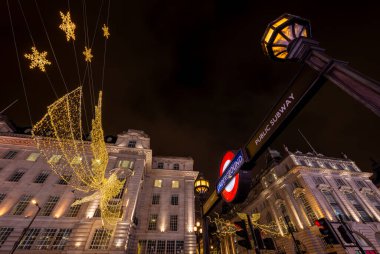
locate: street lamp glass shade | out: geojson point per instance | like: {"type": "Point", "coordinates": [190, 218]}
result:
{"type": "Point", "coordinates": [34, 202]}
{"type": "Point", "coordinates": [198, 224]}
{"type": "Point", "coordinates": [201, 185]}
{"type": "Point", "coordinates": [200, 230]}
{"type": "Point", "coordinates": [281, 33]}
{"type": "Point", "coordinates": [195, 228]}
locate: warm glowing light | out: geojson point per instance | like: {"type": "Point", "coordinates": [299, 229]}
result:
{"type": "Point", "coordinates": [38, 59]}
{"type": "Point", "coordinates": [195, 228]}
{"type": "Point", "coordinates": [119, 243]}
{"type": "Point", "coordinates": [198, 224]}
{"type": "Point", "coordinates": [162, 229]}
{"type": "Point", "coordinates": [200, 230]}
{"type": "Point", "coordinates": [34, 202]}
{"type": "Point", "coordinates": [67, 26]}
{"type": "Point", "coordinates": [77, 244]}
{"type": "Point", "coordinates": [60, 132]}
{"type": "Point", "coordinates": [106, 32]}
{"type": "Point", "coordinates": [87, 54]}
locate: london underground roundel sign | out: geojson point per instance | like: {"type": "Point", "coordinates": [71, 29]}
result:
{"type": "Point", "coordinates": [231, 189]}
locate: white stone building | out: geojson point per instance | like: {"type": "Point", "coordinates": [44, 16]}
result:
{"type": "Point", "coordinates": [307, 187]}
{"type": "Point", "coordinates": [158, 201]}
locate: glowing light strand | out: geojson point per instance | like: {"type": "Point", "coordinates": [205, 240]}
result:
{"type": "Point", "coordinates": [82, 164]}
{"type": "Point", "coordinates": [38, 59]}
{"type": "Point", "coordinates": [223, 227]}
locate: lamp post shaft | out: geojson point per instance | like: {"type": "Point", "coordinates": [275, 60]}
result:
{"type": "Point", "coordinates": [206, 249]}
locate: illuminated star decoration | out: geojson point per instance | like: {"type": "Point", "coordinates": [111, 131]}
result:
{"type": "Point", "coordinates": [67, 26]}
{"type": "Point", "coordinates": [38, 59]}
{"type": "Point", "coordinates": [106, 32]}
{"type": "Point", "coordinates": [87, 54]}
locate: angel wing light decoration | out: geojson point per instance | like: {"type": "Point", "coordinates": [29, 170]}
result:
{"type": "Point", "coordinates": [81, 164]}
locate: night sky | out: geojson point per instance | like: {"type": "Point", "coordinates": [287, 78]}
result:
{"type": "Point", "coordinates": [192, 74]}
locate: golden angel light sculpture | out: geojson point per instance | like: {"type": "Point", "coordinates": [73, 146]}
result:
{"type": "Point", "coordinates": [223, 227]}
{"type": "Point", "coordinates": [271, 228]}
{"type": "Point", "coordinates": [82, 164]}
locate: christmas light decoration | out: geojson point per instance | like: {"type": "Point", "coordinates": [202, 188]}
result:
{"type": "Point", "coordinates": [67, 26]}
{"type": "Point", "coordinates": [270, 228]}
{"type": "Point", "coordinates": [38, 59]}
{"type": "Point", "coordinates": [106, 32]}
{"type": "Point", "coordinates": [87, 54]}
{"type": "Point", "coordinates": [223, 227]}
{"type": "Point", "coordinates": [59, 132]}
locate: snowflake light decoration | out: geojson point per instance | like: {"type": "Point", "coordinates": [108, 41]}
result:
{"type": "Point", "coordinates": [106, 32]}
{"type": "Point", "coordinates": [38, 59]}
{"type": "Point", "coordinates": [87, 54]}
{"type": "Point", "coordinates": [67, 26]}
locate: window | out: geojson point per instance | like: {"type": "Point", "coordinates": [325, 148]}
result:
{"type": "Point", "coordinates": [2, 197]}
{"type": "Point", "coordinates": [64, 179]}
{"type": "Point", "coordinates": [61, 239]}
{"type": "Point", "coordinates": [174, 200]}
{"type": "Point", "coordinates": [22, 204]}
{"type": "Point", "coordinates": [333, 203]}
{"type": "Point", "coordinates": [98, 212]}
{"type": "Point", "coordinates": [156, 199]}
{"type": "Point", "coordinates": [176, 166]}
{"type": "Point", "coordinates": [318, 180]}
{"type": "Point", "coordinates": [340, 182]}
{"type": "Point", "coordinates": [314, 164]}
{"type": "Point", "coordinates": [362, 212]}
{"type": "Point", "coordinates": [29, 238]}
{"type": "Point", "coordinates": [173, 223]}
{"type": "Point", "coordinates": [179, 246]}
{"type": "Point", "coordinates": [114, 207]}
{"type": "Point", "coordinates": [158, 183]}
{"type": "Point", "coordinates": [350, 167]}
{"type": "Point", "coordinates": [303, 163]}
{"type": "Point", "coordinates": [33, 157]}
{"type": "Point", "coordinates": [42, 177]}
{"type": "Point", "coordinates": [175, 184]}
{"type": "Point", "coordinates": [307, 209]}
{"type": "Point", "coordinates": [73, 210]}
{"type": "Point", "coordinates": [170, 245]}
{"type": "Point", "coordinates": [49, 206]}
{"type": "Point", "coordinates": [101, 239]}
{"type": "Point", "coordinates": [374, 200]}
{"type": "Point", "coordinates": [152, 224]}
{"type": "Point", "coordinates": [339, 166]}
{"type": "Point", "coordinates": [132, 144]}
{"type": "Point", "coordinates": [151, 248]}
{"type": "Point", "coordinates": [160, 247]}
{"type": "Point", "coordinates": [45, 238]}
{"type": "Point", "coordinates": [360, 184]}
{"type": "Point", "coordinates": [16, 176]}
{"type": "Point", "coordinates": [10, 155]}
{"type": "Point", "coordinates": [285, 218]}
{"type": "Point", "coordinates": [125, 164]}
{"type": "Point", "coordinates": [4, 233]}
{"type": "Point", "coordinates": [160, 165]}
{"type": "Point", "coordinates": [121, 192]}
{"type": "Point", "coordinates": [54, 159]}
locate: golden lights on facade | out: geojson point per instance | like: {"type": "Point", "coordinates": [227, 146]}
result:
{"type": "Point", "coordinates": [38, 59]}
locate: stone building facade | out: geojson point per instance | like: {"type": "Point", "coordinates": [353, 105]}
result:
{"type": "Point", "coordinates": [146, 225]}
{"type": "Point", "coordinates": [308, 187]}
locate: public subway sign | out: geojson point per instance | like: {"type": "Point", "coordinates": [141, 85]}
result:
{"type": "Point", "coordinates": [232, 180]}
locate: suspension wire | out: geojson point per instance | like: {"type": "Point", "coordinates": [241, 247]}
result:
{"type": "Point", "coordinates": [19, 65]}
{"type": "Point", "coordinates": [105, 46]}
{"type": "Point", "coordinates": [51, 46]}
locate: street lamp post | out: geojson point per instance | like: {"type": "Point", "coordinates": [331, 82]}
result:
{"type": "Point", "coordinates": [17, 243]}
{"type": "Point", "coordinates": [201, 186]}
{"type": "Point", "coordinates": [288, 38]}
{"type": "Point", "coordinates": [198, 233]}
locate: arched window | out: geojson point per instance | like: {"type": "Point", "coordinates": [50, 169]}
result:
{"type": "Point", "coordinates": [307, 208]}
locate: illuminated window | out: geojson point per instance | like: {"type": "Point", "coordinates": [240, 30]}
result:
{"type": "Point", "coordinates": [64, 180]}
{"type": "Point", "coordinates": [176, 166]}
{"type": "Point", "coordinates": [4, 233]}
{"type": "Point", "coordinates": [73, 210]}
{"type": "Point", "coordinates": [340, 182]}
{"type": "Point", "coordinates": [77, 160]}
{"type": "Point", "coordinates": [125, 164]}
{"type": "Point", "coordinates": [101, 239]}
{"type": "Point", "coordinates": [179, 246]}
{"type": "Point", "coordinates": [151, 247]}
{"type": "Point", "coordinates": [174, 199]}
{"type": "Point", "coordinates": [175, 184]}
{"type": "Point", "coordinates": [54, 159]}
{"type": "Point", "coordinates": [22, 204]}
{"type": "Point", "coordinates": [158, 183]}
{"type": "Point", "coordinates": [61, 239]}
{"type": "Point", "coordinates": [160, 247]}
{"type": "Point", "coordinates": [318, 180]}
{"type": "Point", "coordinates": [49, 206]}
{"type": "Point", "coordinates": [2, 197]}
{"type": "Point", "coordinates": [45, 238]}
{"type": "Point", "coordinates": [160, 165]}
{"type": "Point", "coordinates": [16, 176]}
{"type": "Point", "coordinates": [170, 247]}
{"type": "Point", "coordinates": [132, 144]}
{"type": "Point", "coordinates": [156, 199]}
{"type": "Point", "coordinates": [307, 209]}
{"type": "Point", "coordinates": [41, 177]}
{"type": "Point", "coordinates": [355, 203]}
{"type": "Point", "coordinates": [10, 155]}
{"type": "Point", "coordinates": [142, 246]}
{"type": "Point", "coordinates": [173, 223]}
{"type": "Point", "coordinates": [333, 203]}
{"type": "Point", "coordinates": [152, 223]}
{"type": "Point", "coordinates": [33, 157]}
{"type": "Point", "coordinates": [29, 239]}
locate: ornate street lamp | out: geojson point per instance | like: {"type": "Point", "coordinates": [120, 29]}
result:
{"type": "Point", "coordinates": [289, 38]}
{"type": "Point", "coordinates": [17, 243]}
{"type": "Point", "coordinates": [201, 186]}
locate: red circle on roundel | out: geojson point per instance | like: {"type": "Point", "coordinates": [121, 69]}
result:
{"type": "Point", "coordinates": [230, 190]}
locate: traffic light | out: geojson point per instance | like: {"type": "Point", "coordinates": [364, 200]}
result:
{"type": "Point", "coordinates": [347, 236]}
{"type": "Point", "coordinates": [258, 238]}
{"type": "Point", "coordinates": [326, 231]}
{"type": "Point", "coordinates": [242, 232]}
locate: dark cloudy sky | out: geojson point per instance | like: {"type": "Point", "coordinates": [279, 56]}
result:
{"type": "Point", "coordinates": [192, 74]}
